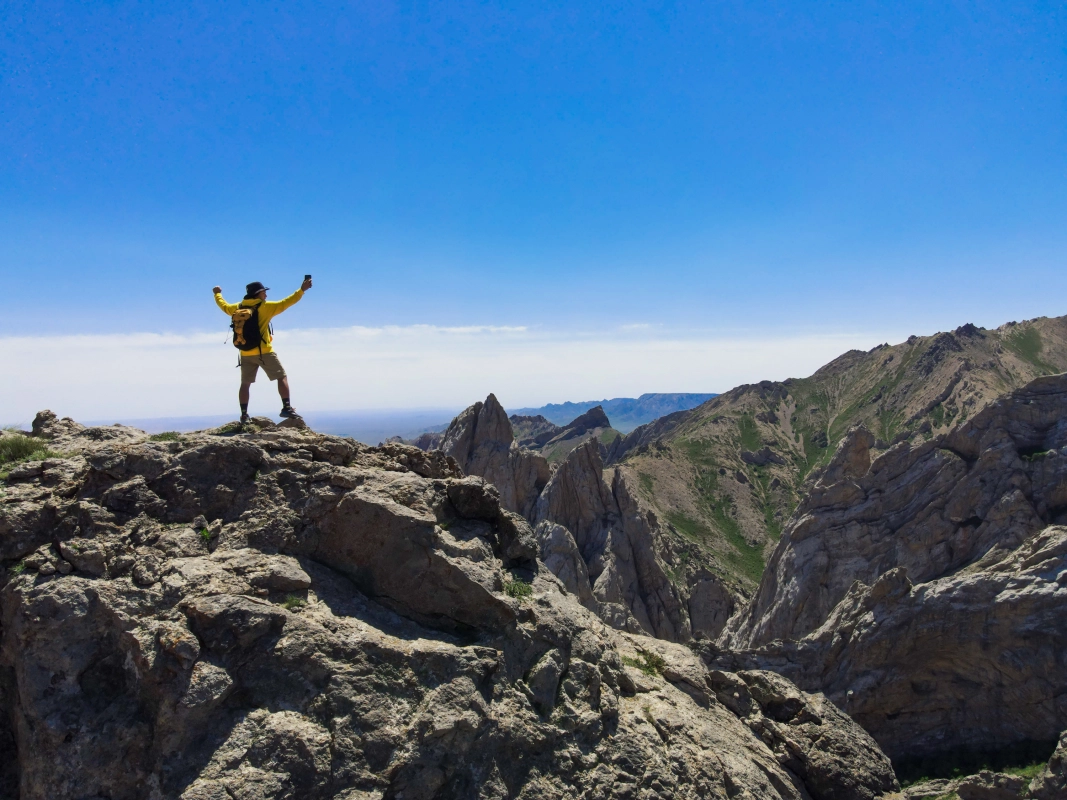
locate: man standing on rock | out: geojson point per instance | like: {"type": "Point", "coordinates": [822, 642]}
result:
{"type": "Point", "coordinates": [262, 355]}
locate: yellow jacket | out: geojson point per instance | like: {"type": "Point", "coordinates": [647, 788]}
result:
{"type": "Point", "coordinates": [267, 311]}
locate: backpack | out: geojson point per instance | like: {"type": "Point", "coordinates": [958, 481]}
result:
{"type": "Point", "coordinates": [245, 324]}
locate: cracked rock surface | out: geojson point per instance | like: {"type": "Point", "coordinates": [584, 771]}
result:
{"type": "Point", "coordinates": [925, 592]}
{"type": "Point", "coordinates": [287, 615]}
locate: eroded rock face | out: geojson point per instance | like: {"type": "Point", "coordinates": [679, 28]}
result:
{"type": "Point", "coordinates": [586, 514]}
{"type": "Point", "coordinates": [926, 596]}
{"type": "Point", "coordinates": [481, 441]}
{"type": "Point", "coordinates": [288, 615]}
{"type": "Point", "coordinates": [932, 510]}
{"type": "Point", "coordinates": [614, 536]}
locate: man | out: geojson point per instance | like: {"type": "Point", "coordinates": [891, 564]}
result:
{"type": "Point", "coordinates": [263, 354]}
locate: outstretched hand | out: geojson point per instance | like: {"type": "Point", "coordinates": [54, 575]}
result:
{"type": "Point", "coordinates": [306, 285]}
{"type": "Point", "coordinates": [217, 290]}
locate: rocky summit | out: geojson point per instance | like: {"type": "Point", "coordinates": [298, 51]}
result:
{"type": "Point", "coordinates": [266, 612]}
{"type": "Point", "coordinates": [262, 611]}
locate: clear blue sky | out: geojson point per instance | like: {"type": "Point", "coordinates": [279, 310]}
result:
{"type": "Point", "coordinates": [699, 165]}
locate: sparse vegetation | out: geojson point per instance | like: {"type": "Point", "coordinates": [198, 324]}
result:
{"type": "Point", "coordinates": [1024, 758]}
{"type": "Point", "coordinates": [649, 663]}
{"type": "Point", "coordinates": [1033, 454]}
{"type": "Point", "coordinates": [518, 588]}
{"type": "Point", "coordinates": [750, 438]}
{"type": "Point", "coordinates": [609, 435]}
{"type": "Point", "coordinates": [17, 448]}
{"type": "Point", "coordinates": [293, 603]}
{"type": "Point", "coordinates": [677, 572]}
{"type": "Point", "coordinates": [205, 534]}
{"type": "Point", "coordinates": [1025, 342]}
{"type": "Point", "coordinates": [1028, 771]}
{"type": "Point", "coordinates": [646, 481]}
{"type": "Point", "coordinates": [166, 436]}
{"type": "Point", "coordinates": [19, 568]}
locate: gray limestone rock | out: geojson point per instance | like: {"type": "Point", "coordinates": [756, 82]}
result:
{"type": "Point", "coordinates": [481, 441]}
{"type": "Point", "coordinates": [400, 668]}
{"type": "Point", "coordinates": [1051, 783]}
{"type": "Point", "coordinates": [925, 593]}
{"type": "Point", "coordinates": [624, 551]}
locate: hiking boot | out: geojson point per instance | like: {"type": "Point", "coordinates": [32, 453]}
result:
{"type": "Point", "coordinates": [287, 412]}
{"type": "Point", "coordinates": [245, 419]}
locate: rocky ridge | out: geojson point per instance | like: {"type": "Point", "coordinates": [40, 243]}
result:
{"type": "Point", "coordinates": [594, 531]}
{"type": "Point", "coordinates": [481, 441]}
{"type": "Point", "coordinates": [627, 413]}
{"type": "Point", "coordinates": [727, 475]}
{"type": "Point", "coordinates": [281, 614]}
{"type": "Point", "coordinates": [554, 442]}
{"type": "Point", "coordinates": [924, 591]}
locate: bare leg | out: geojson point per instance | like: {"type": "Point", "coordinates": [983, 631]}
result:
{"type": "Point", "coordinates": [283, 388]}
{"type": "Point", "coordinates": [242, 395]}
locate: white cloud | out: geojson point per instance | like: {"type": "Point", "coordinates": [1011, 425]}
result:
{"type": "Point", "coordinates": [418, 366]}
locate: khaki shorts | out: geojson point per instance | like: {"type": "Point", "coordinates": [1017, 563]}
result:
{"type": "Point", "coordinates": [269, 361]}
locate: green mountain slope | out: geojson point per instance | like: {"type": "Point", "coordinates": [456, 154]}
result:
{"type": "Point", "coordinates": [725, 476]}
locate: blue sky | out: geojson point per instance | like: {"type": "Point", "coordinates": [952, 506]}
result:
{"type": "Point", "coordinates": [703, 169]}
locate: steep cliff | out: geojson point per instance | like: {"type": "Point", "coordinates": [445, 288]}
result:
{"type": "Point", "coordinates": [925, 591]}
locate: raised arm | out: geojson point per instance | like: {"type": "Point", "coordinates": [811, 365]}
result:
{"type": "Point", "coordinates": [278, 306]}
{"type": "Point", "coordinates": [227, 308]}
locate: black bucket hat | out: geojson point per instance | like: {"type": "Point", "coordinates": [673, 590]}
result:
{"type": "Point", "coordinates": [254, 288]}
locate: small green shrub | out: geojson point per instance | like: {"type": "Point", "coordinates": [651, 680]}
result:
{"type": "Point", "coordinates": [292, 603]}
{"type": "Point", "coordinates": [19, 568]}
{"type": "Point", "coordinates": [651, 664]}
{"type": "Point", "coordinates": [518, 588]}
{"type": "Point", "coordinates": [1028, 771]}
{"type": "Point", "coordinates": [20, 447]}
{"type": "Point", "coordinates": [205, 534]}
{"type": "Point", "coordinates": [166, 436]}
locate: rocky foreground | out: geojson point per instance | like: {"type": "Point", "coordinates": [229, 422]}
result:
{"type": "Point", "coordinates": [281, 614]}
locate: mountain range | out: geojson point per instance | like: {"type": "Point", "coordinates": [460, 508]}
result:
{"type": "Point", "coordinates": [625, 413]}
{"type": "Point", "coordinates": [727, 474]}
{"type": "Point", "coordinates": [812, 589]}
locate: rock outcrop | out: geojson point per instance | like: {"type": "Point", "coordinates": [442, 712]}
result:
{"type": "Point", "coordinates": [533, 431]}
{"type": "Point", "coordinates": [614, 536]}
{"type": "Point", "coordinates": [283, 615]}
{"type": "Point", "coordinates": [481, 441]}
{"type": "Point", "coordinates": [1051, 783]}
{"type": "Point", "coordinates": [924, 593]}
{"type": "Point", "coordinates": [594, 532]}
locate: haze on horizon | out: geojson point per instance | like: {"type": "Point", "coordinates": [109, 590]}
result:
{"type": "Point", "coordinates": [553, 203]}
